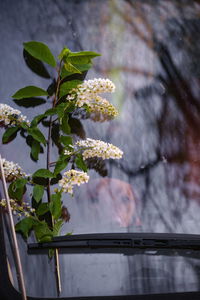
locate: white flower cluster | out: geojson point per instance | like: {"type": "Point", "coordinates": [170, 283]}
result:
{"type": "Point", "coordinates": [71, 178]}
{"type": "Point", "coordinates": [96, 148]}
{"type": "Point", "coordinates": [12, 171]}
{"type": "Point", "coordinates": [101, 109]}
{"type": "Point", "coordinates": [23, 209]}
{"type": "Point", "coordinates": [11, 116]}
{"type": "Point", "coordinates": [87, 94]}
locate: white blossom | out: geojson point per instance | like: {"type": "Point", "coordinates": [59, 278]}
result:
{"type": "Point", "coordinates": [11, 116]}
{"type": "Point", "coordinates": [12, 170]}
{"type": "Point", "coordinates": [101, 109]}
{"type": "Point", "coordinates": [71, 178]}
{"type": "Point", "coordinates": [20, 209]}
{"type": "Point", "coordinates": [96, 148]}
{"type": "Point", "coordinates": [86, 94]}
{"type": "Point", "coordinates": [67, 152]}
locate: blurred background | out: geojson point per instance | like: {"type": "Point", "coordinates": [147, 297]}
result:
{"type": "Point", "coordinates": [150, 50]}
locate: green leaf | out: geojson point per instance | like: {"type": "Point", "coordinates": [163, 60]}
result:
{"type": "Point", "coordinates": [80, 163]}
{"type": "Point", "coordinates": [51, 253]}
{"type": "Point", "coordinates": [29, 91]}
{"type": "Point", "coordinates": [71, 68]}
{"type": "Point", "coordinates": [69, 233]}
{"type": "Point", "coordinates": [67, 86]}
{"type": "Point", "coordinates": [57, 227]}
{"type": "Point", "coordinates": [9, 134]}
{"type": "Point", "coordinates": [81, 68]}
{"type": "Point", "coordinates": [24, 125]}
{"type": "Point", "coordinates": [66, 140]}
{"type": "Point", "coordinates": [41, 52]}
{"type": "Point", "coordinates": [17, 188]}
{"type": "Point", "coordinates": [37, 119]}
{"type": "Point", "coordinates": [83, 57]}
{"type": "Point", "coordinates": [89, 54]}
{"type": "Point", "coordinates": [60, 165]}
{"type": "Point", "coordinates": [64, 53]}
{"type": "Point", "coordinates": [62, 109]}
{"type": "Point", "coordinates": [50, 112]}
{"type": "Point", "coordinates": [37, 135]}
{"type": "Point", "coordinates": [55, 205]}
{"type": "Point", "coordinates": [38, 192]}
{"type": "Point", "coordinates": [42, 232]}
{"type": "Point", "coordinates": [42, 209]}
{"type": "Point", "coordinates": [43, 173]}
{"type": "Point", "coordinates": [35, 65]}
{"type": "Point", "coordinates": [35, 149]}
{"type": "Point", "coordinates": [29, 102]}
{"type": "Point", "coordinates": [25, 226]}
{"type": "Point", "coordinates": [65, 125]}
{"type": "Point", "coordinates": [77, 127]}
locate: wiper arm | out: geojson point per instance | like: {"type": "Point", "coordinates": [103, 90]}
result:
{"type": "Point", "coordinates": [126, 243]}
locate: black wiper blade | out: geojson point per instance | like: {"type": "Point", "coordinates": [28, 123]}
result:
{"type": "Point", "coordinates": [126, 243]}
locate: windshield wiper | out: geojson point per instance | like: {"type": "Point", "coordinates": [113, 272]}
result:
{"type": "Point", "coordinates": [126, 243]}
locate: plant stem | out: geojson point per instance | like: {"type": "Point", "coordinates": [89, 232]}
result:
{"type": "Point", "coordinates": [49, 132]}
{"type": "Point", "coordinates": [57, 266]}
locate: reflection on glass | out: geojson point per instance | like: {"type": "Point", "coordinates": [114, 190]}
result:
{"type": "Point", "coordinates": [151, 52]}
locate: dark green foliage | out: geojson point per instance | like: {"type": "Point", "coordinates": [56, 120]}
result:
{"type": "Point", "coordinates": [10, 134]}
{"type": "Point", "coordinates": [25, 226]}
{"type": "Point", "coordinates": [29, 102]}
{"type": "Point", "coordinates": [40, 51]}
{"type": "Point", "coordinates": [55, 205]}
{"type": "Point", "coordinates": [80, 162]}
{"type": "Point", "coordinates": [42, 209]}
{"type": "Point", "coordinates": [38, 192]}
{"type": "Point", "coordinates": [35, 149]}
{"type": "Point", "coordinates": [29, 92]}
{"type": "Point", "coordinates": [49, 216]}
{"type": "Point", "coordinates": [61, 164]}
{"type": "Point", "coordinates": [35, 65]}
{"type": "Point", "coordinates": [43, 173]}
{"type": "Point", "coordinates": [67, 86]}
{"type": "Point", "coordinates": [17, 189]}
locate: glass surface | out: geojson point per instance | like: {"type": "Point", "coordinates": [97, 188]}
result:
{"type": "Point", "coordinates": [151, 52]}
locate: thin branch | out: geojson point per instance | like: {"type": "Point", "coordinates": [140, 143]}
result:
{"type": "Point", "coordinates": [57, 266]}
{"type": "Point", "coordinates": [16, 248]}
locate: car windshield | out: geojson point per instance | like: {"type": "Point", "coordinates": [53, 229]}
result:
{"type": "Point", "coordinates": [151, 52]}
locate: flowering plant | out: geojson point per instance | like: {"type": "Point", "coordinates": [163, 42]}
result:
{"type": "Point", "coordinates": [68, 94]}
